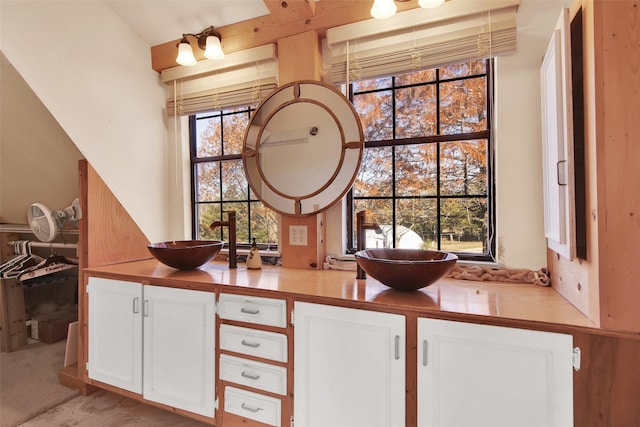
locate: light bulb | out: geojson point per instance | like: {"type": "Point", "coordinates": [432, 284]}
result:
{"type": "Point", "coordinates": [382, 9]}
{"type": "Point", "coordinates": [185, 54]}
{"type": "Point", "coordinates": [430, 3]}
{"type": "Point", "coordinates": [214, 49]}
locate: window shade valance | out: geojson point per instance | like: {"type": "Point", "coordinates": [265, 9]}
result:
{"type": "Point", "coordinates": [421, 38]}
{"type": "Point", "coordinates": [241, 78]}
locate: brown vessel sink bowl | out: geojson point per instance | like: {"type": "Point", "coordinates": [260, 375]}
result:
{"type": "Point", "coordinates": [185, 254]}
{"type": "Point", "coordinates": [405, 269]}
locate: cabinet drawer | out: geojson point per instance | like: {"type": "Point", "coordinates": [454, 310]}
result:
{"type": "Point", "coordinates": [262, 311]}
{"type": "Point", "coordinates": [268, 345]}
{"type": "Point", "coordinates": [253, 374]}
{"type": "Point", "coordinates": [252, 405]}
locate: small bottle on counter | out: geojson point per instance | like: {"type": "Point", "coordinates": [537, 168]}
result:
{"type": "Point", "coordinates": [254, 261]}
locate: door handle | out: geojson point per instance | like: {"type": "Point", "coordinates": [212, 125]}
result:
{"type": "Point", "coordinates": [397, 347]}
{"type": "Point", "coordinates": [136, 305]}
{"type": "Point", "coordinates": [424, 352]}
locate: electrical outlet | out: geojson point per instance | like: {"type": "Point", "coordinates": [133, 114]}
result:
{"type": "Point", "coordinates": [298, 235]}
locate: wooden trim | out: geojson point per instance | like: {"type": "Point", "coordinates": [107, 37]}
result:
{"type": "Point", "coordinates": [270, 28]}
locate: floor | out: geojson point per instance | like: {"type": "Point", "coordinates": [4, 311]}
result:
{"type": "Point", "coordinates": [104, 409]}
{"type": "Point", "coordinates": [30, 387]}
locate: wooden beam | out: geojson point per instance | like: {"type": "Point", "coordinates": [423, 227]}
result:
{"type": "Point", "coordinates": [291, 10]}
{"type": "Point", "coordinates": [268, 29]}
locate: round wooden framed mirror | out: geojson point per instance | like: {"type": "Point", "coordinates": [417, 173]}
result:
{"type": "Point", "coordinates": [303, 148]}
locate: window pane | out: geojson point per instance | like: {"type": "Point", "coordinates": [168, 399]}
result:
{"type": "Point", "coordinates": [416, 170]}
{"type": "Point", "coordinates": [379, 212]}
{"type": "Point", "coordinates": [464, 225]}
{"type": "Point", "coordinates": [207, 213]}
{"type": "Point", "coordinates": [463, 69]}
{"type": "Point", "coordinates": [208, 137]}
{"type": "Point", "coordinates": [234, 128]}
{"type": "Point", "coordinates": [242, 222]}
{"type": "Point", "coordinates": [416, 113]}
{"type": "Point", "coordinates": [423, 76]}
{"type": "Point", "coordinates": [264, 224]}
{"type": "Point", "coordinates": [375, 177]}
{"type": "Point", "coordinates": [376, 114]}
{"type": "Point", "coordinates": [463, 106]}
{"type": "Point", "coordinates": [208, 182]}
{"type": "Point", "coordinates": [364, 85]}
{"type": "Point", "coordinates": [416, 224]}
{"type": "Point", "coordinates": [463, 168]}
{"type": "Point", "coordinates": [234, 183]}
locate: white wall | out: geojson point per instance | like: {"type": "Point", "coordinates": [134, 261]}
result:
{"type": "Point", "coordinates": [38, 161]}
{"type": "Point", "coordinates": [520, 222]}
{"type": "Point", "coordinates": [93, 74]}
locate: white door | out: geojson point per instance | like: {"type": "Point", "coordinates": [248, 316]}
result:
{"type": "Point", "coordinates": [179, 348]}
{"type": "Point", "coordinates": [480, 375]}
{"type": "Point", "coordinates": [349, 367]}
{"type": "Point", "coordinates": [115, 333]}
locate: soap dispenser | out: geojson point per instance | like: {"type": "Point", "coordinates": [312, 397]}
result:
{"type": "Point", "coordinates": [254, 261]}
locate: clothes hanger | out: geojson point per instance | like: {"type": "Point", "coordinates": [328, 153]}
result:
{"type": "Point", "coordinates": [28, 261]}
{"type": "Point", "coordinates": [53, 264]}
{"type": "Point", "coordinates": [18, 249]}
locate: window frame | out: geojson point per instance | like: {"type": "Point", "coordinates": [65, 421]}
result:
{"type": "Point", "coordinates": [488, 135]}
{"type": "Point", "coordinates": [195, 161]}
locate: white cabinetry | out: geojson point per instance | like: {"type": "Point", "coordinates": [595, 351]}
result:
{"type": "Point", "coordinates": [349, 367]}
{"type": "Point", "coordinates": [270, 376]}
{"type": "Point", "coordinates": [173, 328]}
{"type": "Point", "coordinates": [557, 142]}
{"type": "Point", "coordinates": [480, 375]}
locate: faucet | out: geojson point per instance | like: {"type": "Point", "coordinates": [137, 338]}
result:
{"type": "Point", "coordinates": [361, 227]}
{"type": "Point", "coordinates": [231, 223]}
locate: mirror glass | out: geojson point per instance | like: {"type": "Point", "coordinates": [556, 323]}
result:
{"type": "Point", "coordinates": [303, 148]}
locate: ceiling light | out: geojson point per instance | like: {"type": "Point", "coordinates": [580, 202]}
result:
{"type": "Point", "coordinates": [382, 9]}
{"type": "Point", "coordinates": [208, 40]}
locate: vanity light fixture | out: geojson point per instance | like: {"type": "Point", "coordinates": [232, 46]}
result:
{"type": "Point", "coordinates": [208, 40]}
{"type": "Point", "coordinates": [382, 9]}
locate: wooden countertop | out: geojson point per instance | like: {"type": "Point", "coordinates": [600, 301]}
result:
{"type": "Point", "coordinates": [447, 296]}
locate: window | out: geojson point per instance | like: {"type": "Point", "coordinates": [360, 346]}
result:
{"type": "Point", "coordinates": [426, 175]}
{"type": "Point", "coordinates": [218, 179]}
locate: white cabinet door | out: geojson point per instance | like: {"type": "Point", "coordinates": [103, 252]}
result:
{"type": "Point", "coordinates": [179, 348]}
{"type": "Point", "coordinates": [115, 333]}
{"type": "Point", "coordinates": [557, 141]}
{"type": "Point", "coordinates": [349, 367]}
{"type": "Point", "coordinates": [480, 375]}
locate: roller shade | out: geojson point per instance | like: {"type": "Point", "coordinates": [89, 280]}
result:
{"type": "Point", "coordinates": [239, 79]}
{"type": "Point", "coordinates": [421, 38]}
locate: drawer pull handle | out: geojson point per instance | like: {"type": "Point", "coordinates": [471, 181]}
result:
{"type": "Point", "coordinates": [252, 344]}
{"type": "Point", "coordinates": [250, 408]}
{"type": "Point", "coordinates": [250, 375]}
{"type": "Point", "coordinates": [250, 310]}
